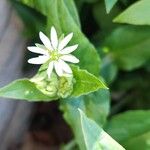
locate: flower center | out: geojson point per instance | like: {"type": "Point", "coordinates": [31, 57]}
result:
{"type": "Point", "coordinates": [54, 55]}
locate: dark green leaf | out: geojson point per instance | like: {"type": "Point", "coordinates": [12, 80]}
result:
{"type": "Point", "coordinates": [86, 52]}
{"type": "Point", "coordinates": [129, 127]}
{"type": "Point", "coordinates": [139, 142]}
{"type": "Point", "coordinates": [59, 14]}
{"type": "Point", "coordinates": [129, 46]}
{"type": "Point", "coordinates": [39, 5]}
{"type": "Point", "coordinates": [104, 20]}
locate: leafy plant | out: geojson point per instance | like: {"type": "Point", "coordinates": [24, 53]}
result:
{"type": "Point", "coordinates": [110, 54]}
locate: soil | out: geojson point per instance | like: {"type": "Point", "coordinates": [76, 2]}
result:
{"type": "Point", "coordinates": [47, 130]}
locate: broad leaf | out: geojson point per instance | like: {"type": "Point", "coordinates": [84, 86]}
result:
{"type": "Point", "coordinates": [109, 69]}
{"type": "Point", "coordinates": [25, 90]}
{"type": "Point", "coordinates": [104, 20]}
{"type": "Point", "coordinates": [129, 127]}
{"type": "Point", "coordinates": [85, 82]}
{"type": "Point", "coordinates": [39, 5]}
{"type": "Point", "coordinates": [43, 7]}
{"type": "Point", "coordinates": [137, 14]}
{"type": "Point", "coordinates": [129, 46]}
{"type": "Point", "coordinates": [60, 13]}
{"type": "Point", "coordinates": [72, 10]}
{"type": "Point", "coordinates": [42, 89]}
{"type": "Point", "coordinates": [110, 4]}
{"type": "Point", "coordinates": [95, 105]}
{"type": "Point", "coordinates": [95, 138]}
{"type": "Point", "coordinates": [86, 52]}
{"type": "Point", "coordinates": [138, 143]}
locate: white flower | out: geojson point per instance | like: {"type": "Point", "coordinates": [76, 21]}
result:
{"type": "Point", "coordinates": [55, 52]}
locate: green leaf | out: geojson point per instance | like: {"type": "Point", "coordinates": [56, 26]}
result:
{"type": "Point", "coordinates": [110, 4]}
{"type": "Point", "coordinates": [109, 69]}
{"type": "Point", "coordinates": [137, 14]}
{"type": "Point", "coordinates": [24, 90]}
{"type": "Point", "coordinates": [39, 5]}
{"type": "Point", "coordinates": [95, 138]}
{"type": "Point", "coordinates": [139, 142]}
{"type": "Point", "coordinates": [89, 1]}
{"type": "Point", "coordinates": [104, 20]}
{"type": "Point", "coordinates": [43, 7]}
{"type": "Point", "coordinates": [129, 126]}
{"type": "Point", "coordinates": [62, 14]}
{"type": "Point", "coordinates": [69, 146]}
{"type": "Point", "coordinates": [42, 89]}
{"type": "Point", "coordinates": [95, 105]}
{"type": "Point", "coordinates": [129, 46]}
{"type": "Point", "coordinates": [85, 50]}
{"type": "Point", "coordinates": [33, 20]}
{"type": "Point", "coordinates": [72, 10]}
{"type": "Point", "coordinates": [85, 82]}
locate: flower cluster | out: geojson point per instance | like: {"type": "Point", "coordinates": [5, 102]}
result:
{"type": "Point", "coordinates": [55, 52]}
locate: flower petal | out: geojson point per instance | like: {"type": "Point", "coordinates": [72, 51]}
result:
{"type": "Point", "coordinates": [69, 49]}
{"type": "Point", "coordinates": [65, 67]}
{"type": "Point", "coordinates": [70, 58]}
{"type": "Point", "coordinates": [40, 46]}
{"type": "Point", "coordinates": [38, 60]}
{"type": "Point", "coordinates": [54, 38]}
{"type": "Point", "coordinates": [58, 68]}
{"type": "Point", "coordinates": [50, 69]}
{"type": "Point", "coordinates": [38, 50]}
{"type": "Point", "coordinates": [65, 41]}
{"type": "Point", "coordinates": [45, 40]}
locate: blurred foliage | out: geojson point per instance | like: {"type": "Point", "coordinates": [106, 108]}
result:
{"type": "Point", "coordinates": [124, 50]}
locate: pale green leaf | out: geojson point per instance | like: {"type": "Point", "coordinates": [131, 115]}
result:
{"type": "Point", "coordinates": [24, 90]}
{"type": "Point", "coordinates": [37, 91]}
{"type": "Point", "coordinates": [95, 138]}
{"type": "Point", "coordinates": [95, 105]}
{"type": "Point", "coordinates": [110, 4]}
{"type": "Point", "coordinates": [137, 14]}
{"type": "Point", "coordinates": [85, 82]}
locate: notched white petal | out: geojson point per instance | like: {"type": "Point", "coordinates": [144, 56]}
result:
{"type": "Point", "coordinates": [45, 40]}
{"type": "Point", "coordinates": [70, 58]}
{"type": "Point", "coordinates": [40, 46]}
{"type": "Point", "coordinates": [66, 68]}
{"type": "Point", "coordinates": [38, 60]}
{"type": "Point", "coordinates": [65, 41]}
{"type": "Point", "coordinates": [58, 68]}
{"type": "Point", "coordinates": [54, 38]}
{"type": "Point", "coordinates": [69, 49]}
{"type": "Point", "coordinates": [38, 50]}
{"type": "Point", "coordinates": [50, 69]}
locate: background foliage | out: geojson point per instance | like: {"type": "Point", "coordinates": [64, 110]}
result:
{"type": "Point", "coordinates": [114, 45]}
